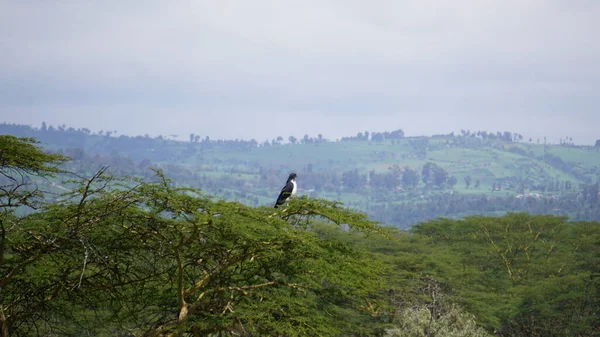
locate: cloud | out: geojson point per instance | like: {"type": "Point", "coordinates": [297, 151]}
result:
{"type": "Point", "coordinates": [428, 65]}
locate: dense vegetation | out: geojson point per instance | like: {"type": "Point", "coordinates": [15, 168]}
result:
{"type": "Point", "coordinates": [125, 256]}
{"type": "Point", "coordinates": [395, 180]}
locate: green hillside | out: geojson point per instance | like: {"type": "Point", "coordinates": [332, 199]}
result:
{"type": "Point", "coordinates": [396, 180]}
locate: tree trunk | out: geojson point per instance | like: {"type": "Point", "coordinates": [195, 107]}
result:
{"type": "Point", "coordinates": [3, 322]}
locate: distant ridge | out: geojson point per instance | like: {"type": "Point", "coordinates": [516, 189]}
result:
{"type": "Point", "coordinates": [396, 180]}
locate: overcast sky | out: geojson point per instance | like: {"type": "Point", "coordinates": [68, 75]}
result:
{"type": "Point", "coordinates": [261, 69]}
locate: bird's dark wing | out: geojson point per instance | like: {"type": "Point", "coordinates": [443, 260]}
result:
{"type": "Point", "coordinates": [286, 191]}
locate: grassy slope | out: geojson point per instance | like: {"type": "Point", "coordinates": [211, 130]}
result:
{"type": "Point", "coordinates": [486, 164]}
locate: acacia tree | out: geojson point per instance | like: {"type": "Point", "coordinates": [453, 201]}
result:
{"type": "Point", "coordinates": [220, 267]}
{"type": "Point", "coordinates": [22, 165]}
{"type": "Point", "coordinates": [149, 258]}
{"type": "Point", "coordinates": [21, 162]}
{"type": "Point", "coordinates": [521, 275]}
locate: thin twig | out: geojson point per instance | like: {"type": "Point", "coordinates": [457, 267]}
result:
{"type": "Point", "coordinates": [84, 262]}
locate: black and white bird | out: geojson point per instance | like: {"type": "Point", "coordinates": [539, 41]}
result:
{"type": "Point", "coordinates": [288, 190]}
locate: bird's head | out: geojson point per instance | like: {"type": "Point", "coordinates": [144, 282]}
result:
{"type": "Point", "coordinates": [292, 176]}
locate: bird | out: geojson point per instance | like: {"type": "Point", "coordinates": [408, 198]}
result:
{"type": "Point", "coordinates": [288, 190]}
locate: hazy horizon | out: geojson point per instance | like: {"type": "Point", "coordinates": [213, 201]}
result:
{"type": "Point", "coordinates": [260, 70]}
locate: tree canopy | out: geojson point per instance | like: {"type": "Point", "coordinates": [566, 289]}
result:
{"type": "Point", "coordinates": [148, 257]}
{"type": "Point", "coordinates": [21, 161]}
{"type": "Point", "coordinates": [116, 255]}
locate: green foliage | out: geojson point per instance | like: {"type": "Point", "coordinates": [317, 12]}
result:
{"type": "Point", "coordinates": [153, 258]}
{"type": "Point", "coordinates": [521, 275]}
{"type": "Point", "coordinates": [21, 160]}
{"type": "Point", "coordinates": [146, 256]}
{"type": "Point", "coordinates": [23, 155]}
{"type": "Point", "coordinates": [452, 322]}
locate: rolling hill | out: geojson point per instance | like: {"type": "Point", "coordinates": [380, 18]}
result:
{"type": "Point", "coordinates": [394, 179]}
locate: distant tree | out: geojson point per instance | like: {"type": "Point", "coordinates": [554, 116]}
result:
{"type": "Point", "coordinates": [433, 174]}
{"type": "Point", "coordinates": [353, 180]}
{"type": "Point", "coordinates": [467, 181]}
{"type": "Point", "coordinates": [452, 181]}
{"type": "Point", "coordinates": [517, 137]}
{"type": "Point", "coordinates": [440, 176]}
{"type": "Point", "coordinates": [397, 134]}
{"type": "Point", "coordinates": [292, 139]}
{"type": "Point", "coordinates": [44, 128]}
{"type": "Point", "coordinates": [597, 143]}
{"type": "Point", "coordinates": [377, 137]}
{"type": "Point", "coordinates": [410, 178]}
{"type": "Point", "coordinates": [426, 173]}
{"type": "Point", "coordinates": [192, 137]}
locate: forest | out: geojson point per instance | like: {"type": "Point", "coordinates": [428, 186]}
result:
{"type": "Point", "coordinates": [100, 251]}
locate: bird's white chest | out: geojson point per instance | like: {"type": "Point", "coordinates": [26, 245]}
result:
{"type": "Point", "coordinates": [295, 188]}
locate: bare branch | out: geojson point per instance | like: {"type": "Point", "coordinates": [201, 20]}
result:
{"type": "Point", "coordinates": [85, 258]}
